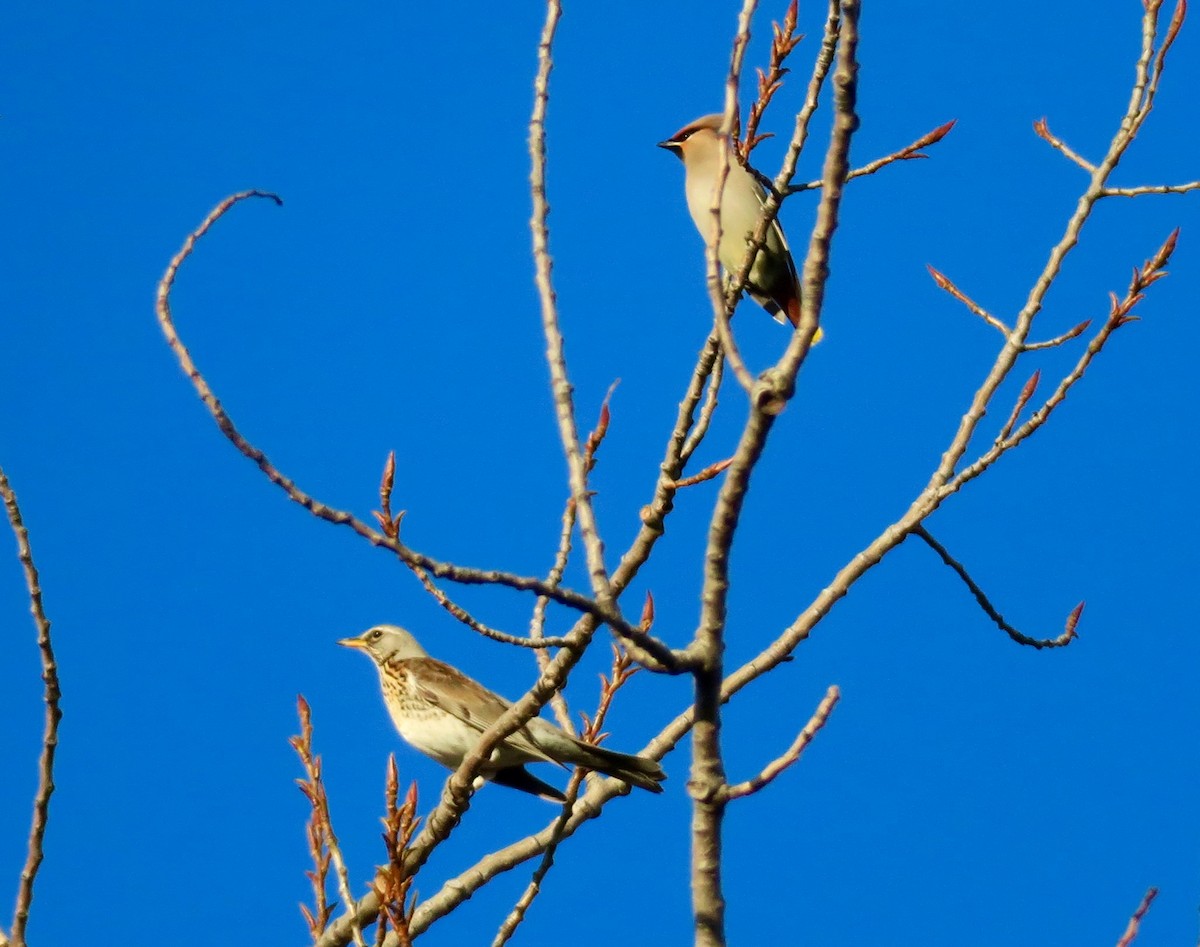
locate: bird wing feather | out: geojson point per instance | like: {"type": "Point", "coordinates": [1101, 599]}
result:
{"type": "Point", "coordinates": [469, 701]}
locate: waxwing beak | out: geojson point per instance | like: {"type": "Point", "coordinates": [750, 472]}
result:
{"type": "Point", "coordinates": [670, 145]}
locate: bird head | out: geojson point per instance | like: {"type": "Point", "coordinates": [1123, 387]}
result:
{"type": "Point", "coordinates": [384, 643]}
{"type": "Point", "coordinates": [702, 135]}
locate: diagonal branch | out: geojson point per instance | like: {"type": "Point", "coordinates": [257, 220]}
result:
{"type": "Point", "coordinates": [944, 283]}
{"type": "Point", "coordinates": [1043, 132]}
{"type": "Point", "coordinates": [1135, 922]}
{"type": "Point", "coordinates": [1120, 314]}
{"type": "Point", "coordinates": [803, 739]}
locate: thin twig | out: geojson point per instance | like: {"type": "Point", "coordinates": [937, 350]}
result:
{"type": "Point", "coordinates": [391, 527]}
{"type": "Point", "coordinates": [944, 283]}
{"type": "Point", "coordinates": [1068, 635]}
{"type": "Point", "coordinates": [784, 39]}
{"type": "Point", "coordinates": [803, 739]}
{"type": "Point", "coordinates": [537, 625]}
{"type": "Point", "coordinates": [1027, 392]}
{"type": "Point", "coordinates": [704, 419]}
{"type": "Point", "coordinates": [1043, 132]}
{"type": "Point", "coordinates": [391, 885]}
{"type": "Point", "coordinates": [1150, 189]}
{"type": "Point", "coordinates": [534, 888]}
{"type": "Point", "coordinates": [313, 788]}
{"type": "Point", "coordinates": [1120, 314]}
{"type": "Point", "coordinates": [1072, 333]}
{"type": "Point", "coordinates": [911, 152]}
{"type": "Point", "coordinates": [708, 473]}
{"type": "Point", "coordinates": [51, 697]}
{"type": "Point", "coordinates": [1131, 931]}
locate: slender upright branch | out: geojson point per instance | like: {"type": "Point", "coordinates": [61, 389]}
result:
{"type": "Point", "coordinates": [313, 787]}
{"type": "Point", "coordinates": [772, 391]}
{"type": "Point", "coordinates": [51, 696]}
{"type": "Point", "coordinates": [556, 358]}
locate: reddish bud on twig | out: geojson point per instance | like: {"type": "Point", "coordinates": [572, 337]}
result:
{"type": "Point", "coordinates": [1031, 386]}
{"type": "Point", "coordinates": [647, 612]}
{"type": "Point", "coordinates": [1073, 621]}
{"type": "Point", "coordinates": [932, 138]}
{"type": "Point", "coordinates": [707, 473]}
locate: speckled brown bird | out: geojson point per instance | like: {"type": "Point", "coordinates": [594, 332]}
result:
{"type": "Point", "coordinates": [442, 712]}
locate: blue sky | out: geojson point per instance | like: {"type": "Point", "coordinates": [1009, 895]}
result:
{"type": "Point", "coordinates": [966, 790]}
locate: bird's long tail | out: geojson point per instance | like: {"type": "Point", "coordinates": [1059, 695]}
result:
{"type": "Point", "coordinates": [635, 770]}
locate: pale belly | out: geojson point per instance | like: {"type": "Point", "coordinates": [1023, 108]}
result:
{"type": "Point", "coordinates": [448, 740]}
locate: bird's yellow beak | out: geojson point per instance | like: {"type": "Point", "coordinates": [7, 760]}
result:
{"type": "Point", "coordinates": [357, 643]}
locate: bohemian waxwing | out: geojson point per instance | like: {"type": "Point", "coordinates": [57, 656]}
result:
{"type": "Point", "coordinates": [772, 283]}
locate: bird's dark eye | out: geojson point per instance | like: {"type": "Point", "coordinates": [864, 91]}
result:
{"type": "Point", "coordinates": [376, 635]}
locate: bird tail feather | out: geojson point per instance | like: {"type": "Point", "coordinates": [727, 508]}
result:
{"type": "Point", "coordinates": [635, 770]}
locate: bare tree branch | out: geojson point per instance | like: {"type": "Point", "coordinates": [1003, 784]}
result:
{"type": "Point", "coordinates": [944, 282]}
{"type": "Point", "coordinates": [1068, 635]}
{"type": "Point", "coordinates": [910, 152]}
{"type": "Point", "coordinates": [534, 888]}
{"type": "Point", "coordinates": [52, 695]}
{"type": "Point", "coordinates": [708, 473]}
{"type": "Point", "coordinates": [623, 669]}
{"type": "Point", "coordinates": [313, 788]}
{"type": "Point", "coordinates": [1150, 189]}
{"type": "Point", "coordinates": [1120, 314]}
{"type": "Point", "coordinates": [589, 806]}
{"type": "Point", "coordinates": [604, 611]}
{"type": "Point", "coordinates": [537, 626]}
{"type": "Point", "coordinates": [708, 408]}
{"type": "Point", "coordinates": [803, 739]}
{"type": "Point", "coordinates": [784, 40]}
{"type": "Point", "coordinates": [1072, 333]}
{"type": "Point", "coordinates": [1141, 99]}
{"type": "Point", "coordinates": [1027, 392]}
{"type": "Point", "coordinates": [772, 391]}
{"type": "Point", "coordinates": [1131, 931]}
{"type": "Point", "coordinates": [1043, 132]}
